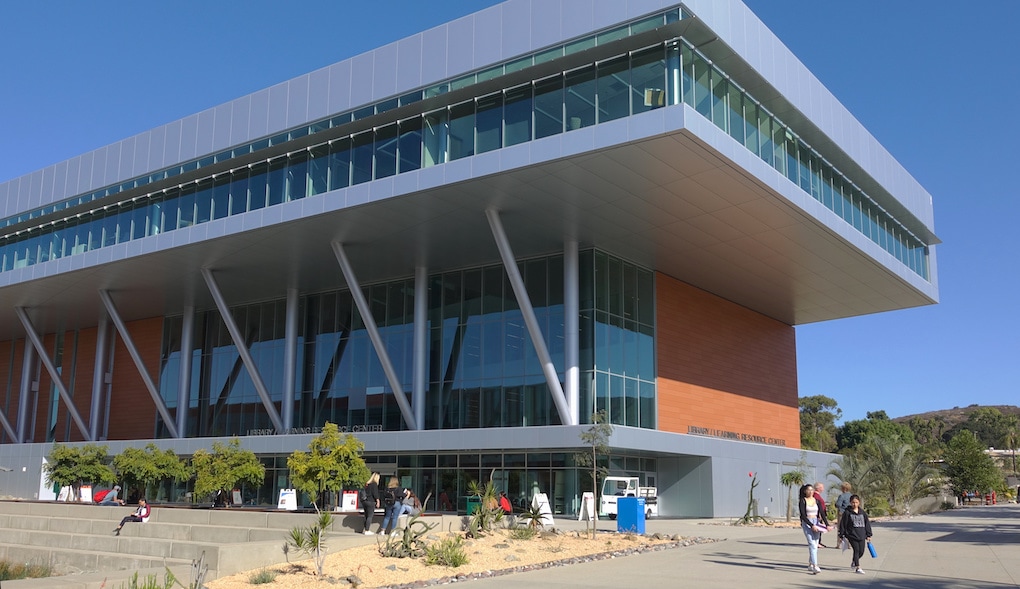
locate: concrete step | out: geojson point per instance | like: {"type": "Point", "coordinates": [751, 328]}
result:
{"type": "Point", "coordinates": [74, 561]}
{"type": "Point", "coordinates": [104, 580]}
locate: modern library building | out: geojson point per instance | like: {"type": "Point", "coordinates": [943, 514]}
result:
{"type": "Point", "coordinates": [460, 246]}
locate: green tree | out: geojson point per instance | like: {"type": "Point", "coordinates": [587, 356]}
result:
{"type": "Point", "coordinates": [967, 466]}
{"type": "Point", "coordinates": [149, 467]}
{"type": "Point", "coordinates": [333, 462]}
{"type": "Point", "coordinates": [225, 467]}
{"type": "Point", "coordinates": [818, 415]}
{"type": "Point", "coordinates": [988, 424]}
{"type": "Point", "coordinates": [791, 479]}
{"type": "Point", "coordinates": [596, 438]}
{"type": "Point", "coordinates": [902, 474]}
{"type": "Point", "coordinates": [73, 466]}
{"type": "Point", "coordinates": [858, 469]}
{"type": "Point", "coordinates": [854, 433]}
{"type": "Point", "coordinates": [928, 434]}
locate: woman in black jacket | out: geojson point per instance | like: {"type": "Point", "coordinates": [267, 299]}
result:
{"type": "Point", "coordinates": [371, 501]}
{"type": "Point", "coordinates": [855, 527]}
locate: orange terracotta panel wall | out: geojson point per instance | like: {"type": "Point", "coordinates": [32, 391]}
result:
{"type": "Point", "coordinates": [723, 369]}
{"type": "Point", "coordinates": [11, 354]}
{"type": "Point", "coordinates": [132, 414]}
{"type": "Point", "coordinates": [76, 365]}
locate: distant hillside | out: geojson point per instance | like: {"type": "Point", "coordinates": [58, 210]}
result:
{"type": "Point", "coordinates": [957, 414]}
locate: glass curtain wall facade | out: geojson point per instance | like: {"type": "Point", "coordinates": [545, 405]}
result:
{"type": "Point", "coordinates": [521, 474]}
{"type": "Point", "coordinates": [628, 84]}
{"type": "Point", "coordinates": [482, 367]}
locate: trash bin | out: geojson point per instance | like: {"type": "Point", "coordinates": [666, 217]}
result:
{"type": "Point", "coordinates": [630, 515]}
{"type": "Point", "coordinates": [473, 504]}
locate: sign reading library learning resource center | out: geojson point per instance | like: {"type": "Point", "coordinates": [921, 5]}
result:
{"type": "Point", "coordinates": [718, 433]}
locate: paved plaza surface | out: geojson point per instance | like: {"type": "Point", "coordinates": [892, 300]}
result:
{"type": "Point", "coordinates": [969, 548]}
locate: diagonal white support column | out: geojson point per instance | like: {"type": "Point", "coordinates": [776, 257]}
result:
{"type": "Point", "coordinates": [157, 400]}
{"type": "Point", "coordinates": [242, 350]}
{"type": "Point", "coordinates": [571, 327]}
{"type": "Point", "coordinates": [373, 334]}
{"type": "Point", "coordinates": [421, 327]}
{"type": "Point", "coordinates": [7, 428]}
{"type": "Point", "coordinates": [552, 377]}
{"type": "Point", "coordinates": [54, 375]}
{"type": "Point", "coordinates": [28, 370]}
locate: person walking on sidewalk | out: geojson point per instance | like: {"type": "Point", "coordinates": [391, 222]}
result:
{"type": "Point", "coordinates": [823, 513]}
{"type": "Point", "coordinates": [855, 528]}
{"type": "Point", "coordinates": [812, 526]}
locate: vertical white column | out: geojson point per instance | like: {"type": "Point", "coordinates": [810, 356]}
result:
{"type": "Point", "coordinates": [25, 397]}
{"type": "Point", "coordinates": [290, 360]}
{"type": "Point", "coordinates": [571, 331]}
{"type": "Point", "coordinates": [99, 374]}
{"type": "Point", "coordinates": [421, 309]}
{"type": "Point", "coordinates": [184, 384]}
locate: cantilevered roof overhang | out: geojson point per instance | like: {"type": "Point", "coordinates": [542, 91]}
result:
{"type": "Point", "coordinates": [665, 189]}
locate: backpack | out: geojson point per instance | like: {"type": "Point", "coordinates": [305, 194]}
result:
{"type": "Point", "coordinates": [389, 496]}
{"type": "Point", "coordinates": [362, 495]}
{"type": "Point", "coordinates": [100, 495]}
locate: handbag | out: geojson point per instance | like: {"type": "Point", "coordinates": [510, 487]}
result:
{"type": "Point", "coordinates": [872, 551]}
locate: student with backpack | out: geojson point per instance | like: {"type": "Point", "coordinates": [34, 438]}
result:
{"type": "Point", "coordinates": [393, 499]}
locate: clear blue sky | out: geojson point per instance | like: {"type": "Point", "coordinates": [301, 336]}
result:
{"type": "Point", "coordinates": [937, 83]}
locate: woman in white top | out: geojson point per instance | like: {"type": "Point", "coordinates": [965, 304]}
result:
{"type": "Point", "coordinates": [809, 522]}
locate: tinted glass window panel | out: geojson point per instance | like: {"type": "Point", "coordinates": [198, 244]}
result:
{"type": "Point", "coordinates": [648, 80]}
{"type": "Point", "coordinates": [701, 86]}
{"type": "Point", "coordinates": [517, 115]}
{"type": "Point", "coordinates": [169, 211]}
{"type": "Point", "coordinates": [361, 158]}
{"type": "Point", "coordinates": [318, 170]}
{"type": "Point", "coordinates": [549, 107]}
{"type": "Point", "coordinates": [489, 123]}
{"type": "Point", "coordinates": [187, 208]}
{"type": "Point", "coordinates": [239, 192]}
{"type": "Point", "coordinates": [340, 164]}
{"type": "Point", "coordinates": [257, 186]}
{"type": "Point", "coordinates": [203, 202]}
{"type": "Point", "coordinates": [462, 130]}
{"type": "Point", "coordinates": [386, 151]}
{"type": "Point", "coordinates": [735, 112]}
{"type": "Point", "coordinates": [277, 182]}
{"type": "Point", "coordinates": [766, 147]}
{"type": "Point", "coordinates": [579, 101]}
{"type": "Point", "coordinates": [221, 197]}
{"type": "Point", "coordinates": [613, 92]}
{"type": "Point", "coordinates": [409, 147]}
{"type": "Point", "coordinates": [750, 125]}
{"type": "Point", "coordinates": [435, 133]}
{"type": "Point", "coordinates": [297, 176]}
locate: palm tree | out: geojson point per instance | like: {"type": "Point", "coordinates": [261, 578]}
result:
{"type": "Point", "coordinates": [794, 478]}
{"type": "Point", "coordinates": [856, 469]}
{"type": "Point", "coordinates": [902, 474]}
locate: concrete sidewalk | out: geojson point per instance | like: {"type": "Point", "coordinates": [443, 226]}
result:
{"type": "Point", "coordinates": [970, 548]}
